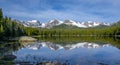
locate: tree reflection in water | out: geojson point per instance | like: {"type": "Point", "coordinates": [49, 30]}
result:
{"type": "Point", "coordinates": [38, 52]}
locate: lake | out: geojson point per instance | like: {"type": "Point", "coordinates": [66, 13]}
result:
{"type": "Point", "coordinates": [62, 51]}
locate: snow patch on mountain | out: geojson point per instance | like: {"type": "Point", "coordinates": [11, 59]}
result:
{"type": "Point", "coordinates": [33, 23]}
{"type": "Point", "coordinates": [71, 22]}
{"type": "Point", "coordinates": [55, 22]}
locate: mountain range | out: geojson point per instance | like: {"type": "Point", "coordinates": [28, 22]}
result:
{"type": "Point", "coordinates": [58, 23]}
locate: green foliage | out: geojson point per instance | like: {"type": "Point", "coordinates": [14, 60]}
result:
{"type": "Point", "coordinates": [31, 31]}
{"type": "Point", "coordinates": [12, 28]}
{"type": "Point", "coordinates": [9, 27]}
{"type": "Point", "coordinates": [1, 14]}
{"type": "Point", "coordinates": [107, 31]}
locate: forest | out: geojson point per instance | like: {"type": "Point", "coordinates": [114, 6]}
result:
{"type": "Point", "coordinates": [12, 28]}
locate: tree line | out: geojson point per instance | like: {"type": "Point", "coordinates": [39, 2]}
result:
{"type": "Point", "coordinates": [12, 28]}
{"type": "Point", "coordinates": [9, 27]}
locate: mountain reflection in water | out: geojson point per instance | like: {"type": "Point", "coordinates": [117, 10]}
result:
{"type": "Point", "coordinates": [58, 53]}
{"type": "Point", "coordinates": [84, 53]}
{"type": "Point", "coordinates": [52, 46]}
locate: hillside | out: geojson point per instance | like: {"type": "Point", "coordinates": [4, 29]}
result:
{"type": "Point", "coordinates": [64, 26]}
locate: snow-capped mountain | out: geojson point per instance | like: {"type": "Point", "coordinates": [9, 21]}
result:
{"type": "Point", "coordinates": [52, 46]}
{"type": "Point", "coordinates": [71, 22]}
{"type": "Point", "coordinates": [33, 23]}
{"type": "Point", "coordinates": [93, 24]}
{"type": "Point", "coordinates": [52, 23]}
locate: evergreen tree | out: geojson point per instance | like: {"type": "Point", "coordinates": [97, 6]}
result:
{"type": "Point", "coordinates": [1, 14]}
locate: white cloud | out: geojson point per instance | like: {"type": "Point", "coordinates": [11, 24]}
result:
{"type": "Point", "coordinates": [79, 10]}
{"type": "Point", "coordinates": [52, 14]}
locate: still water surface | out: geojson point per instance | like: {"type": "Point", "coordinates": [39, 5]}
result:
{"type": "Point", "coordinates": [69, 53]}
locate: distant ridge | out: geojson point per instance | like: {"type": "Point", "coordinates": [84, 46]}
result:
{"type": "Point", "coordinates": [57, 23]}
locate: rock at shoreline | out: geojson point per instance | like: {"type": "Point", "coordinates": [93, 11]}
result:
{"type": "Point", "coordinates": [23, 39]}
{"type": "Point", "coordinates": [26, 39]}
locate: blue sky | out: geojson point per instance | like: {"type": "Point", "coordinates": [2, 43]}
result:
{"type": "Point", "coordinates": [78, 10]}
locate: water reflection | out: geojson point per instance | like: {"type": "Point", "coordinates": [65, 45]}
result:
{"type": "Point", "coordinates": [85, 52]}
{"type": "Point", "coordinates": [51, 46]}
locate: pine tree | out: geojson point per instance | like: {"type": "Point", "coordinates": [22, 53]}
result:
{"type": "Point", "coordinates": [1, 14]}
